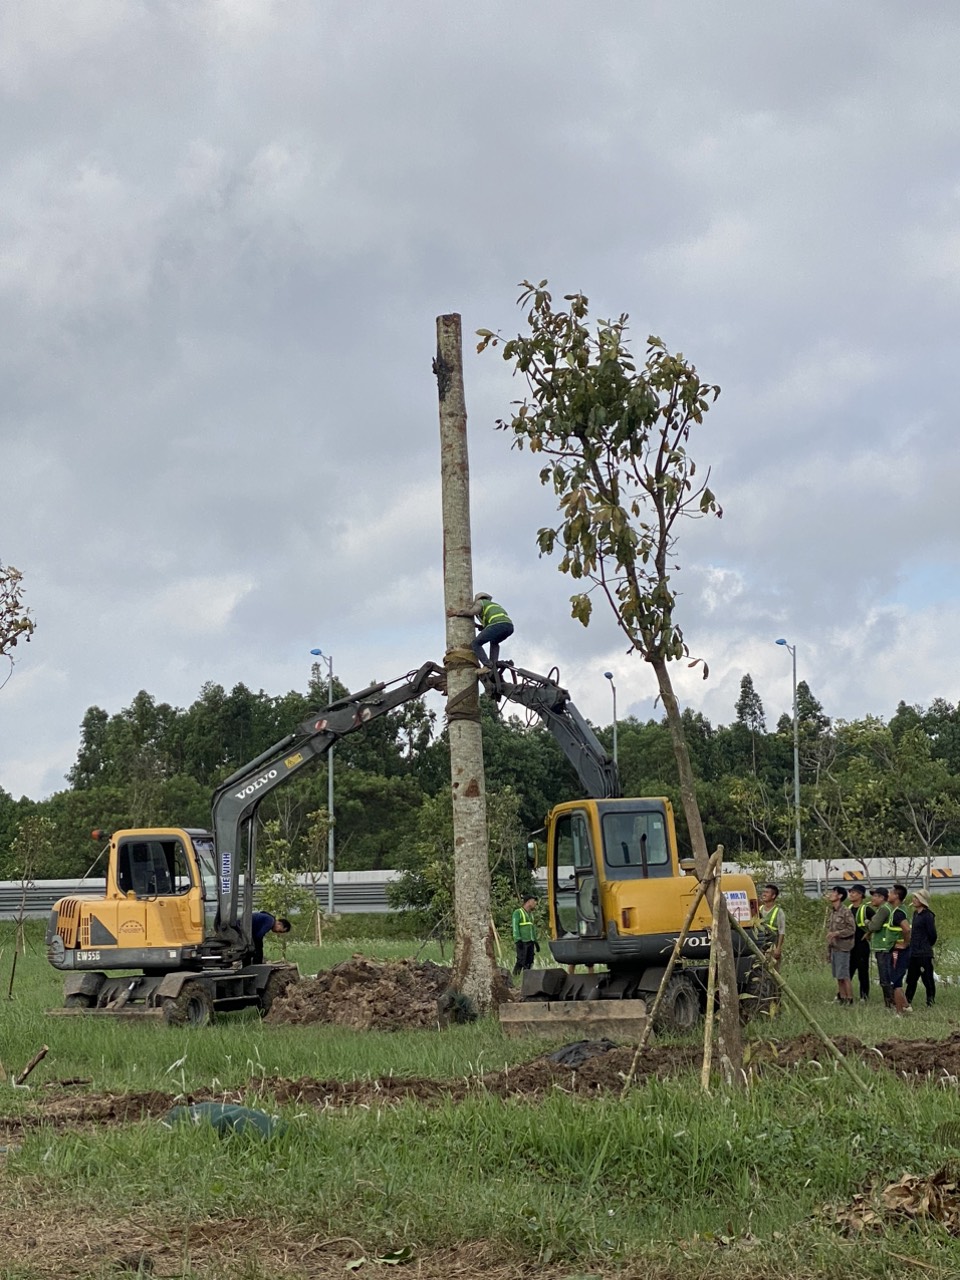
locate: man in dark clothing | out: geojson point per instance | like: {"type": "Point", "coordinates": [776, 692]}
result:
{"type": "Point", "coordinates": [264, 923]}
{"type": "Point", "coordinates": [923, 937]}
{"type": "Point", "coordinates": [860, 955]}
{"type": "Point", "coordinates": [900, 955]}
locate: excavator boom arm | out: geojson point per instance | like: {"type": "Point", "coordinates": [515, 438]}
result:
{"type": "Point", "coordinates": [542, 695]}
{"type": "Point", "coordinates": [236, 800]}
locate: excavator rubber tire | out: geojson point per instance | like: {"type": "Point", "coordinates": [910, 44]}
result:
{"type": "Point", "coordinates": [77, 1001]}
{"type": "Point", "coordinates": [759, 995]}
{"type": "Point", "coordinates": [193, 1007]}
{"type": "Point", "coordinates": [679, 1010]}
{"type": "Point", "coordinates": [276, 985]}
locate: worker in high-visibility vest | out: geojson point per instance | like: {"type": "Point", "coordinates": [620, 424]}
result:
{"type": "Point", "coordinates": [494, 626]}
{"type": "Point", "coordinates": [883, 933]}
{"type": "Point", "coordinates": [525, 933]}
{"type": "Point", "coordinates": [860, 955]}
{"type": "Point", "coordinates": [771, 922]}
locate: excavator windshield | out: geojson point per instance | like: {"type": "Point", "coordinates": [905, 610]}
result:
{"type": "Point", "coordinates": [635, 844]}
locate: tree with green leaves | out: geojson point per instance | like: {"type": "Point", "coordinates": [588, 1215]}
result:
{"type": "Point", "coordinates": [749, 708]}
{"type": "Point", "coordinates": [281, 892]}
{"type": "Point", "coordinates": [750, 722]}
{"type": "Point", "coordinates": [426, 862]}
{"type": "Point", "coordinates": [33, 858]}
{"type": "Point", "coordinates": [16, 622]}
{"type": "Point", "coordinates": [883, 795]}
{"type": "Point", "coordinates": [616, 440]}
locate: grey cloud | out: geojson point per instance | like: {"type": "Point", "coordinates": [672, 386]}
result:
{"type": "Point", "coordinates": [226, 231]}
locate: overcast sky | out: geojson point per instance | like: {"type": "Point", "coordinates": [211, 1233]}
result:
{"type": "Point", "coordinates": [227, 228]}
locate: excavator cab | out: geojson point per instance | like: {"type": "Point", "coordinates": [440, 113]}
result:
{"type": "Point", "coordinates": [613, 873]}
{"type": "Point", "coordinates": [152, 912]}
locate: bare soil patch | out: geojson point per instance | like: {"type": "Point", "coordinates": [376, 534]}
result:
{"type": "Point", "coordinates": [42, 1240]}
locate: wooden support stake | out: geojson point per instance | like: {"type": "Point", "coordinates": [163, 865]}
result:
{"type": "Point", "coordinates": [37, 1057]}
{"type": "Point", "coordinates": [718, 903]}
{"type": "Point", "coordinates": [797, 1002]}
{"type": "Point", "coordinates": [712, 866]}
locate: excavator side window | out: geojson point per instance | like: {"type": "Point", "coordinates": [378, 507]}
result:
{"type": "Point", "coordinates": [576, 893]}
{"type": "Point", "coordinates": [176, 858]}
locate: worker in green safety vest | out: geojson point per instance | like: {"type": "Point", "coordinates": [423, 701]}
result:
{"type": "Point", "coordinates": [860, 955]}
{"type": "Point", "coordinates": [525, 933]}
{"type": "Point", "coordinates": [494, 626]}
{"type": "Point", "coordinates": [883, 934]}
{"type": "Point", "coordinates": [771, 923]}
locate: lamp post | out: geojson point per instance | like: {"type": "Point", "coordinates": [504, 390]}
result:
{"type": "Point", "coordinates": [792, 650]}
{"type": "Point", "coordinates": [613, 690]}
{"type": "Point", "coordinates": [318, 653]}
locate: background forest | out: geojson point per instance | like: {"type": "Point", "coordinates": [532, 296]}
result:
{"type": "Point", "coordinates": [869, 788]}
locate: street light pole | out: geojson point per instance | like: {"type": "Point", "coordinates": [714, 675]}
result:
{"type": "Point", "coordinates": [318, 653]}
{"type": "Point", "coordinates": [613, 690]}
{"type": "Point", "coordinates": [792, 650]}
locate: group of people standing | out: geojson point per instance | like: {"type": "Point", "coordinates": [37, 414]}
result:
{"type": "Point", "coordinates": [901, 945]}
{"type": "Point", "coordinates": [859, 931]}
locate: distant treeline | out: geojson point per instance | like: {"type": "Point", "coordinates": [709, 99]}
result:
{"type": "Point", "coordinates": [869, 788]}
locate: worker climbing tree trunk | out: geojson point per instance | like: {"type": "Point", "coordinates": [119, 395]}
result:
{"type": "Point", "coordinates": [474, 965]}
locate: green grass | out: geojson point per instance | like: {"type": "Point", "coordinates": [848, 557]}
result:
{"type": "Point", "coordinates": [668, 1182]}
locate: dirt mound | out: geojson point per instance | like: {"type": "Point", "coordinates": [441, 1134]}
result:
{"type": "Point", "coordinates": [604, 1070]}
{"type": "Point", "coordinates": [367, 995]}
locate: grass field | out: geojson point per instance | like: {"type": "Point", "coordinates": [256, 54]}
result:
{"type": "Point", "coordinates": [669, 1182]}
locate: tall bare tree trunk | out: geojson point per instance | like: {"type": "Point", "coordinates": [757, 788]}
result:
{"type": "Point", "coordinates": [729, 1037]}
{"type": "Point", "coordinates": [474, 965]}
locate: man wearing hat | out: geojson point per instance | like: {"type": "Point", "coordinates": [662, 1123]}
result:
{"type": "Point", "coordinates": [861, 911]}
{"type": "Point", "coordinates": [922, 940]}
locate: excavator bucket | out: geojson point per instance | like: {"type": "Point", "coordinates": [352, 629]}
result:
{"type": "Point", "coordinates": [564, 1006]}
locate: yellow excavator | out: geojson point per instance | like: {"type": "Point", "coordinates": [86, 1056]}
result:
{"type": "Point", "coordinates": [618, 893]}
{"type": "Point", "coordinates": [172, 934]}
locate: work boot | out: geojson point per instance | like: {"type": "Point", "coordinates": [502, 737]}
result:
{"type": "Point", "coordinates": [887, 997]}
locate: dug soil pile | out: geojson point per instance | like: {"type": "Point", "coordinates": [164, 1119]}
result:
{"type": "Point", "coordinates": [369, 995]}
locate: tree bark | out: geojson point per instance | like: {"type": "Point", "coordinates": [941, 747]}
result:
{"type": "Point", "coordinates": [474, 965]}
{"type": "Point", "coordinates": [729, 1036]}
